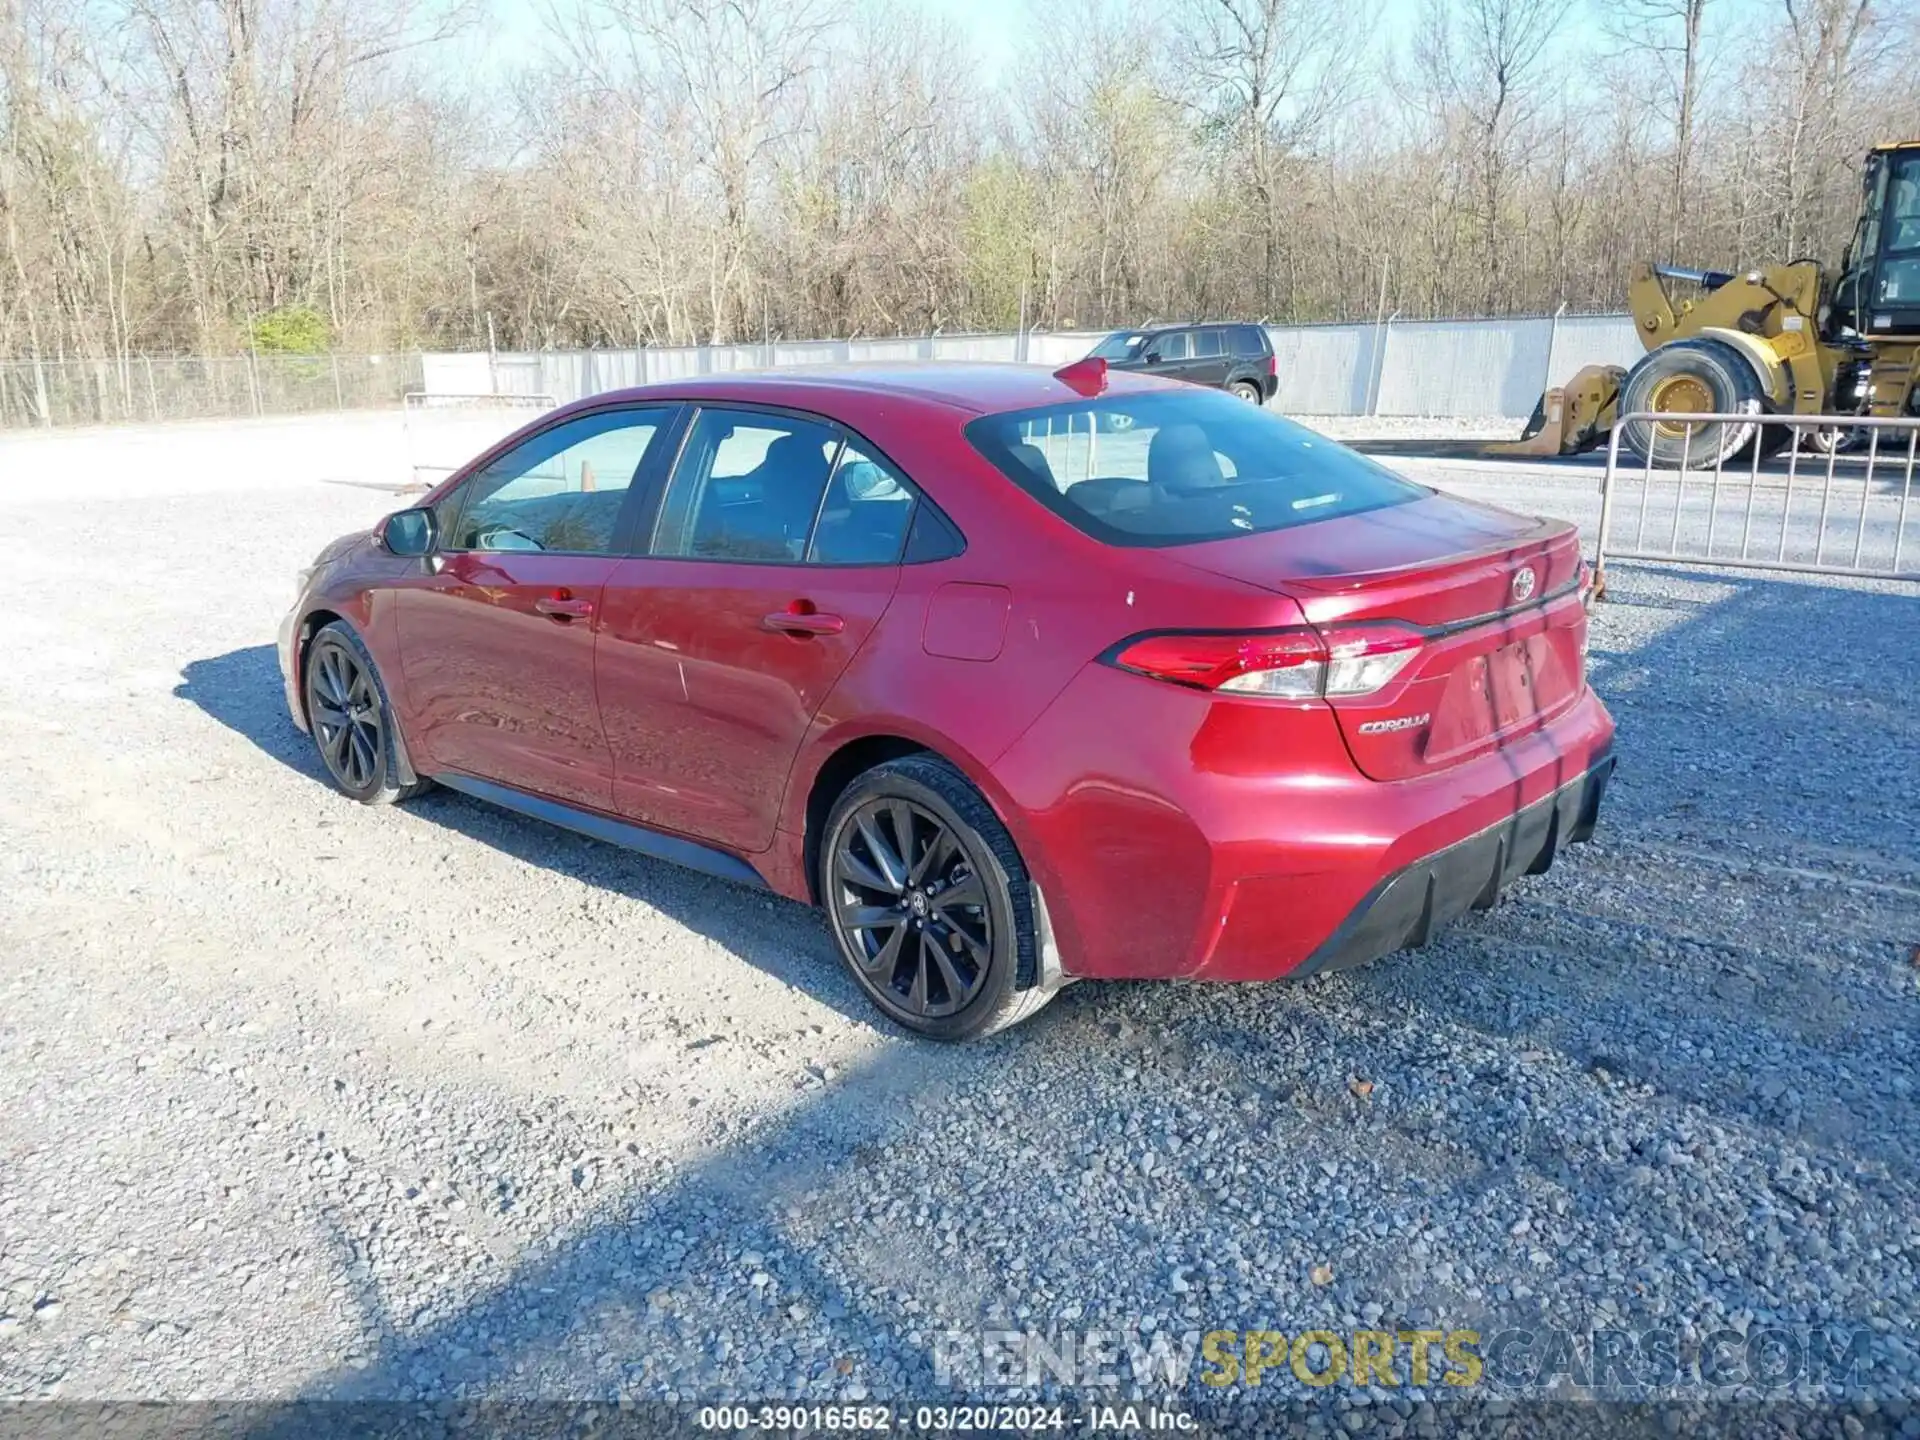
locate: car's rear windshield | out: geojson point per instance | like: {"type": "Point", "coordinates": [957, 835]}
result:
{"type": "Point", "coordinates": [1121, 345]}
{"type": "Point", "coordinates": [1181, 466]}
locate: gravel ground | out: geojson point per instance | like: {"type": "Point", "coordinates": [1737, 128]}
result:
{"type": "Point", "coordinates": [311, 1100]}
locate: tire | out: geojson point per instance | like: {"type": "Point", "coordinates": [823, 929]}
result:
{"type": "Point", "coordinates": [956, 973]}
{"type": "Point", "coordinates": [358, 751]}
{"type": "Point", "coordinates": [1833, 440]}
{"type": "Point", "coordinates": [1248, 391]}
{"type": "Point", "coordinates": [1697, 377]}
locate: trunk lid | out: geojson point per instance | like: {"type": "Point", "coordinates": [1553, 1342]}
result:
{"type": "Point", "coordinates": [1495, 594]}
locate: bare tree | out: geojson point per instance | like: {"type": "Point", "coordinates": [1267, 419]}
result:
{"type": "Point", "coordinates": [202, 174]}
{"type": "Point", "coordinates": [1265, 77]}
{"type": "Point", "coordinates": [734, 75]}
{"type": "Point", "coordinates": [1102, 140]}
{"type": "Point", "coordinates": [1666, 37]}
{"type": "Point", "coordinates": [1484, 57]}
{"type": "Point", "coordinates": [1830, 40]}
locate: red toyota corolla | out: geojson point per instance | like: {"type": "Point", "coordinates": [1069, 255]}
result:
{"type": "Point", "coordinates": [1023, 677]}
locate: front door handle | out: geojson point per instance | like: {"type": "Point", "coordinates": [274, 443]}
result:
{"type": "Point", "coordinates": [794, 622]}
{"type": "Point", "coordinates": [563, 607]}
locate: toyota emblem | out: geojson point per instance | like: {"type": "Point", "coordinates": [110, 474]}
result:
{"type": "Point", "coordinates": [1523, 583]}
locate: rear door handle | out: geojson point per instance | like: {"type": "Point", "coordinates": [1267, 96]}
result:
{"type": "Point", "coordinates": [563, 607]}
{"type": "Point", "coordinates": [794, 623]}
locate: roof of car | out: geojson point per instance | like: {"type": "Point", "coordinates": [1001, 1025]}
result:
{"type": "Point", "coordinates": [1160, 325]}
{"type": "Point", "coordinates": [980, 387]}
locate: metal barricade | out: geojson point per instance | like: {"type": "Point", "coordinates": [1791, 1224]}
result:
{"type": "Point", "coordinates": [1846, 507]}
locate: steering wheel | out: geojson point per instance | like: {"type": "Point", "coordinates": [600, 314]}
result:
{"type": "Point", "coordinates": [504, 538]}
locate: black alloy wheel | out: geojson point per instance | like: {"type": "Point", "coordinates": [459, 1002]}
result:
{"type": "Point", "coordinates": [351, 722]}
{"type": "Point", "coordinates": [911, 908]}
{"type": "Point", "coordinates": [930, 903]}
{"type": "Point", "coordinates": [346, 716]}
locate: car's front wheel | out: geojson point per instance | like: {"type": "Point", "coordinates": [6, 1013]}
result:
{"type": "Point", "coordinates": [351, 721]}
{"type": "Point", "coordinates": [930, 902]}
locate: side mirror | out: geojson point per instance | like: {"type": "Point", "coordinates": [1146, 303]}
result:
{"type": "Point", "coordinates": [1152, 357]}
{"type": "Point", "coordinates": [408, 532]}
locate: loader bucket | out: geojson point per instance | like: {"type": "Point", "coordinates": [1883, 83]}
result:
{"type": "Point", "coordinates": [1570, 418]}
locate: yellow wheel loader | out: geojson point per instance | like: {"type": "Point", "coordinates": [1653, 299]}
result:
{"type": "Point", "coordinates": [1787, 339]}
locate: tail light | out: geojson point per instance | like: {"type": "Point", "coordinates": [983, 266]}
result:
{"type": "Point", "coordinates": [1296, 664]}
{"type": "Point", "coordinates": [1273, 367]}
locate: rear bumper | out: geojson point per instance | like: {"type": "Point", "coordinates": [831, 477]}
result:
{"type": "Point", "coordinates": [1404, 910]}
{"type": "Point", "coordinates": [1213, 840]}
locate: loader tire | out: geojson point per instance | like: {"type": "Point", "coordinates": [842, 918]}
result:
{"type": "Point", "coordinates": [1693, 377]}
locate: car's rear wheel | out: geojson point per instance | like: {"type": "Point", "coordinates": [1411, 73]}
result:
{"type": "Point", "coordinates": [351, 721]}
{"type": "Point", "coordinates": [1247, 391]}
{"type": "Point", "coordinates": [930, 902]}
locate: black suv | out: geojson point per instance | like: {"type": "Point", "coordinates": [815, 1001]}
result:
{"type": "Point", "coordinates": [1228, 357]}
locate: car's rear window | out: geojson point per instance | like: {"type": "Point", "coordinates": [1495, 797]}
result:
{"type": "Point", "coordinates": [1178, 467]}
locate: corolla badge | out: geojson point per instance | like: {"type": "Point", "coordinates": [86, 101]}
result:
{"type": "Point", "coordinates": [1523, 582]}
{"type": "Point", "coordinates": [1399, 722]}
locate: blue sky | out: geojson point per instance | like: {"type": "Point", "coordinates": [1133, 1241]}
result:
{"type": "Point", "coordinates": [996, 27]}
{"type": "Point", "coordinates": [999, 28]}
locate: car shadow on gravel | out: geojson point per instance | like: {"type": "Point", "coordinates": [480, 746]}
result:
{"type": "Point", "coordinates": [242, 690]}
{"type": "Point", "coordinates": [735, 1278]}
{"type": "Point", "coordinates": [633, 1301]}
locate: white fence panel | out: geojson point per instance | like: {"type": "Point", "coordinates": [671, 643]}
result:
{"type": "Point", "coordinates": [1444, 367]}
{"type": "Point", "coordinates": [468, 373]}
{"type": "Point", "coordinates": [674, 362]}
{"type": "Point", "coordinates": [1324, 369]}
{"type": "Point", "coordinates": [518, 374]}
{"type": "Point", "coordinates": [1464, 367]}
{"type": "Point", "coordinates": [1593, 340]}
{"type": "Point", "coordinates": [803, 352]}
{"type": "Point", "coordinates": [883, 350]}
{"type": "Point", "coordinates": [603, 370]}
{"type": "Point", "coordinates": [975, 347]}
{"type": "Point", "coordinates": [1061, 348]}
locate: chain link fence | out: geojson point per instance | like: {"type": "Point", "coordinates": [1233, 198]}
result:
{"type": "Point", "coordinates": [41, 393]}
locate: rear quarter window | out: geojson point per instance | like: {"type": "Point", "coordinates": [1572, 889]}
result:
{"type": "Point", "coordinates": [1180, 468]}
{"type": "Point", "coordinates": [1248, 340]}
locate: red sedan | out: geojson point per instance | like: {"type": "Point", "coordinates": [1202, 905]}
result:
{"type": "Point", "coordinates": [1023, 677]}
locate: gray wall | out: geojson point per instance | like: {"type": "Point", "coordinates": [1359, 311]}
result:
{"type": "Point", "coordinates": [1472, 368]}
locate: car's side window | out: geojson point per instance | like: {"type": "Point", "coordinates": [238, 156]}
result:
{"type": "Point", "coordinates": [1246, 341]}
{"type": "Point", "coordinates": [866, 513]}
{"type": "Point", "coordinates": [1175, 346]}
{"type": "Point", "coordinates": [562, 490]}
{"type": "Point", "coordinates": [1207, 344]}
{"type": "Point", "coordinates": [747, 487]}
